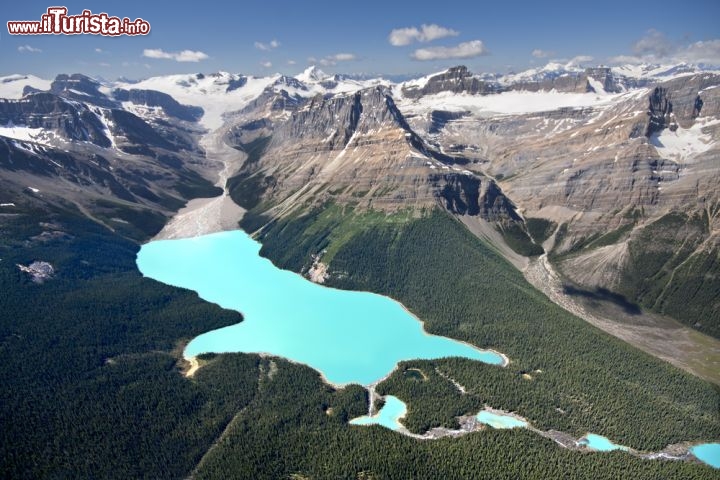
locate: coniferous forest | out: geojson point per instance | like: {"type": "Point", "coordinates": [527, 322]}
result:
{"type": "Point", "coordinates": [93, 386]}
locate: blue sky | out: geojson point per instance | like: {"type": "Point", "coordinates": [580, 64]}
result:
{"type": "Point", "coordinates": [357, 37]}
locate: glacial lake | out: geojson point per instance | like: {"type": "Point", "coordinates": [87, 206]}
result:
{"type": "Point", "coordinates": [708, 453]}
{"type": "Point", "coordinates": [394, 409]}
{"type": "Point", "coordinates": [350, 337]}
{"type": "Point", "coordinates": [389, 415]}
{"type": "Point", "coordinates": [600, 443]}
{"type": "Point", "coordinates": [496, 420]}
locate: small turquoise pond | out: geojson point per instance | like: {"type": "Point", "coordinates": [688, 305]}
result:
{"type": "Point", "coordinates": [496, 420]}
{"type": "Point", "coordinates": [707, 453]}
{"type": "Point", "coordinates": [389, 415]}
{"type": "Point", "coordinates": [600, 443]}
{"type": "Point", "coordinates": [350, 337]}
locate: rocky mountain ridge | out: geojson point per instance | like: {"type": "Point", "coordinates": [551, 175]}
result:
{"type": "Point", "coordinates": [608, 158]}
{"type": "Point", "coordinates": [629, 183]}
{"type": "Point", "coordinates": [356, 149]}
{"type": "Point", "coordinates": [76, 148]}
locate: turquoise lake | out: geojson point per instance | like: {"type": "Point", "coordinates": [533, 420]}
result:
{"type": "Point", "coordinates": [600, 443]}
{"type": "Point", "coordinates": [496, 420]}
{"type": "Point", "coordinates": [350, 337]}
{"type": "Point", "coordinates": [708, 453]}
{"type": "Point", "coordinates": [389, 415]}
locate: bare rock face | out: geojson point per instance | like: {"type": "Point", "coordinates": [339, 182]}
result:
{"type": "Point", "coordinates": [473, 195]}
{"type": "Point", "coordinates": [358, 149]}
{"type": "Point", "coordinates": [569, 83]}
{"type": "Point", "coordinates": [38, 271]}
{"type": "Point", "coordinates": [576, 82]}
{"type": "Point", "coordinates": [659, 110]}
{"type": "Point", "coordinates": [440, 118]}
{"type": "Point", "coordinates": [235, 83]}
{"type": "Point", "coordinates": [594, 161]}
{"type": "Point", "coordinates": [70, 120]}
{"type": "Point", "coordinates": [81, 88]}
{"type": "Point", "coordinates": [460, 80]}
{"type": "Point", "coordinates": [122, 164]}
{"type": "Point", "coordinates": [606, 78]}
{"type": "Point", "coordinates": [457, 80]}
{"type": "Point", "coordinates": [697, 106]}
{"type": "Point", "coordinates": [681, 101]}
{"type": "Point", "coordinates": [151, 98]}
{"type": "Point", "coordinates": [631, 183]}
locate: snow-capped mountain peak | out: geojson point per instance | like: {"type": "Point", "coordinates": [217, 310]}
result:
{"type": "Point", "coordinates": [12, 86]}
{"type": "Point", "coordinates": [313, 74]}
{"type": "Point", "coordinates": [656, 71]}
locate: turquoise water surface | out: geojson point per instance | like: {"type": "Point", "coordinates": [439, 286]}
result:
{"type": "Point", "coordinates": [496, 420]}
{"type": "Point", "coordinates": [600, 443]}
{"type": "Point", "coordinates": [708, 453]}
{"type": "Point", "coordinates": [389, 415]}
{"type": "Point", "coordinates": [350, 337]}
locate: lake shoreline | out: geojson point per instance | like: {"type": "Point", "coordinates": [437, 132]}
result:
{"type": "Point", "coordinates": [496, 358]}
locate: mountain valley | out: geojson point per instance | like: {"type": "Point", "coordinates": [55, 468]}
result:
{"type": "Point", "coordinates": [500, 210]}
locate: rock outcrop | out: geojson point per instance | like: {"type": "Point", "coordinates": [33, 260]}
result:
{"type": "Point", "coordinates": [151, 98]}
{"type": "Point", "coordinates": [659, 110]}
{"type": "Point", "coordinates": [81, 88]}
{"type": "Point", "coordinates": [39, 271]}
{"type": "Point", "coordinates": [72, 121]}
{"type": "Point", "coordinates": [457, 80]}
{"type": "Point", "coordinates": [358, 149]}
{"type": "Point", "coordinates": [612, 177]}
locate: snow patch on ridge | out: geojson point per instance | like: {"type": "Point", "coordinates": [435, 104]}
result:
{"type": "Point", "coordinates": [685, 143]}
{"type": "Point", "coordinates": [12, 86]}
{"type": "Point", "coordinates": [513, 102]}
{"type": "Point", "coordinates": [312, 74]}
{"type": "Point", "coordinates": [207, 91]}
{"type": "Point", "coordinates": [27, 134]}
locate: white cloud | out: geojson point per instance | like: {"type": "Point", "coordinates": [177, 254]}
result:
{"type": "Point", "coordinates": [333, 59]}
{"type": "Point", "coordinates": [267, 46]}
{"type": "Point", "coordinates": [654, 43]}
{"type": "Point", "coordinates": [291, 62]}
{"type": "Point", "coordinates": [343, 57]}
{"type": "Point", "coordinates": [28, 49]}
{"type": "Point", "coordinates": [538, 53]}
{"type": "Point", "coordinates": [190, 56]}
{"type": "Point", "coordinates": [700, 52]}
{"type": "Point", "coordinates": [184, 56]}
{"type": "Point", "coordinates": [655, 47]}
{"type": "Point", "coordinates": [426, 33]}
{"type": "Point", "coordinates": [266, 64]}
{"type": "Point", "coordinates": [580, 59]}
{"type": "Point", "coordinates": [105, 64]}
{"type": "Point", "coordinates": [574, 62]}
{"type": "Point", "coordinates": [156, 53]}
{"type": "Point", "coordinates": [471, 49]}
{"type": "Point", "coordinates": [135, 64]}
{"type": "Point", "coordinates": [625, 59]}
{"type": "Point", "coordinates": [99, 50]}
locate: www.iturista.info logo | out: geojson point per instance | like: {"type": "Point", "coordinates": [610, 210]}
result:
{"type": "Point", "coordinates": [57, 22]}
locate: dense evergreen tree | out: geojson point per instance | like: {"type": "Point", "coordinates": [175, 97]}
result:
{"type": "Point", "coordinates": [92, 387]}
